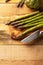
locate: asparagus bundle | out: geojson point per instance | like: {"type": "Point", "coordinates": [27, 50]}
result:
{"type": "Point", "coordinates": [24, 17]}
{"type": "Point", "coordinates": [27, 19]}
{"type": "Point", "coordinates": [34, 19]}
{"type": "Point", "coordinates": [30, 24]}
{"type": "Point", "coordinates": [23, 20]}
{"type": "Point", "coordinates": [29, 30]}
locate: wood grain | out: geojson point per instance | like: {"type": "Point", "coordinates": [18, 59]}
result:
{"type": "Point", "coordinates": [18, 62]}
{"type": "Point", "coordinates": [21, 52]}
{"type": "Point", "coordinates": [18, 54]}
{"type": "Point", "coordinates": [9, 10]}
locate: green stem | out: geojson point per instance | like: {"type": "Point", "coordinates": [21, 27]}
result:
{"type": "Point", "coordinates": [26, 16]}
{"type": "Point", "coordinates": [21, 21]}
{"type": "Point", "coordinates": [29, 30]}
{"type": "Point", "coordinates": [31, 24]}
{"type": "Point", "coordinates": [26, 22]}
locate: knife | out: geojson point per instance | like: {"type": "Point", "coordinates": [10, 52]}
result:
{"type": "Point", "coordinates": [28, 39]}
{"type": "Point", "coordinates": [32, 37]}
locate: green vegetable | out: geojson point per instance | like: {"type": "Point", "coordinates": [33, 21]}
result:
{"type": "Point", "coordinates": [29, 30]}
{"type": "Point", "coordinates": [35, 4]}
{"type": "Point", "coordinates": [27, 19]}
{"type": "Point", "coordinates": [31, 24]}
{"type": "Point", "coordinates": [21, 3]}
{"type": "Point", "coordinates": [32, 20]}
{"type": "Point", "coordinates": [24, 17]}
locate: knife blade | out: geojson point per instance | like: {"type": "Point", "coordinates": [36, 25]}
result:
{"type": "Point", "coordinates": [31, 37]}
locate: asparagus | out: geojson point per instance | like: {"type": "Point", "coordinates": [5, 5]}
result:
{"type": "Point", "coordinates": [29, 21]}
{"type": "Point", "coordinates": [30, 24]}
{"type": "Point", "coordinates": [21, 21]}
{"type": "Point", "coordinates": [21, 3]}
{"type": "Point", "coordinates": [24, 17]}
{"type": "Point", "coordinates": [29, 30]}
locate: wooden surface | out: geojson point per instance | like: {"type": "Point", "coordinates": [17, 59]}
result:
{"type": "Point", "coordinates": [19, 54]}
{"type": "Point", "coordinates": [9, 10]}
{"type": "Point", "coordinates": [5, 62]}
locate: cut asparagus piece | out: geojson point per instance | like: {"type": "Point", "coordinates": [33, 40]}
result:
{"type": "Point", "coordinates": [21, 21]}
{"type": "Point", "coordinates": [29, 30]}
{"type": "Point", "coordinates": [21, 3]}
{"type": "Point", "coordinates": [31, 24]}
{"type": "Point", "coordinates": [26, 16]}
{"type": "Point", "coordinates": [32, 20]}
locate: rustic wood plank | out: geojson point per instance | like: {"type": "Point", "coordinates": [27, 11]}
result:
{"type": "Point", "coordinates": [9, 10]}
{"type": "Point", "coordinates": [21, 52]}
{"type": "Point", "coordinates": [19, 62]}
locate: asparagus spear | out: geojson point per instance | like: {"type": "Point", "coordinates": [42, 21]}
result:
{"type": "Point", "coordinates": [14, 23]}
{"type": "Point", "coordinates": [29, 30]}
{"type": "Point", "coordinates": [21, 3]}
{"type": "Point", "coordinates": [26, 16]}
{"type": "Point", "coordinates": [32, 20]}
{"type": "Point", "coordinates": [30, 24]}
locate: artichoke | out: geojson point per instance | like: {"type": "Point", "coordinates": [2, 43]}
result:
{"type": "Point", "coordinates": [34, 4]}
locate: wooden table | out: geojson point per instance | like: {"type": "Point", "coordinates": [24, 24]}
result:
{"type": "Point", "coordinates": [20, 54]}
